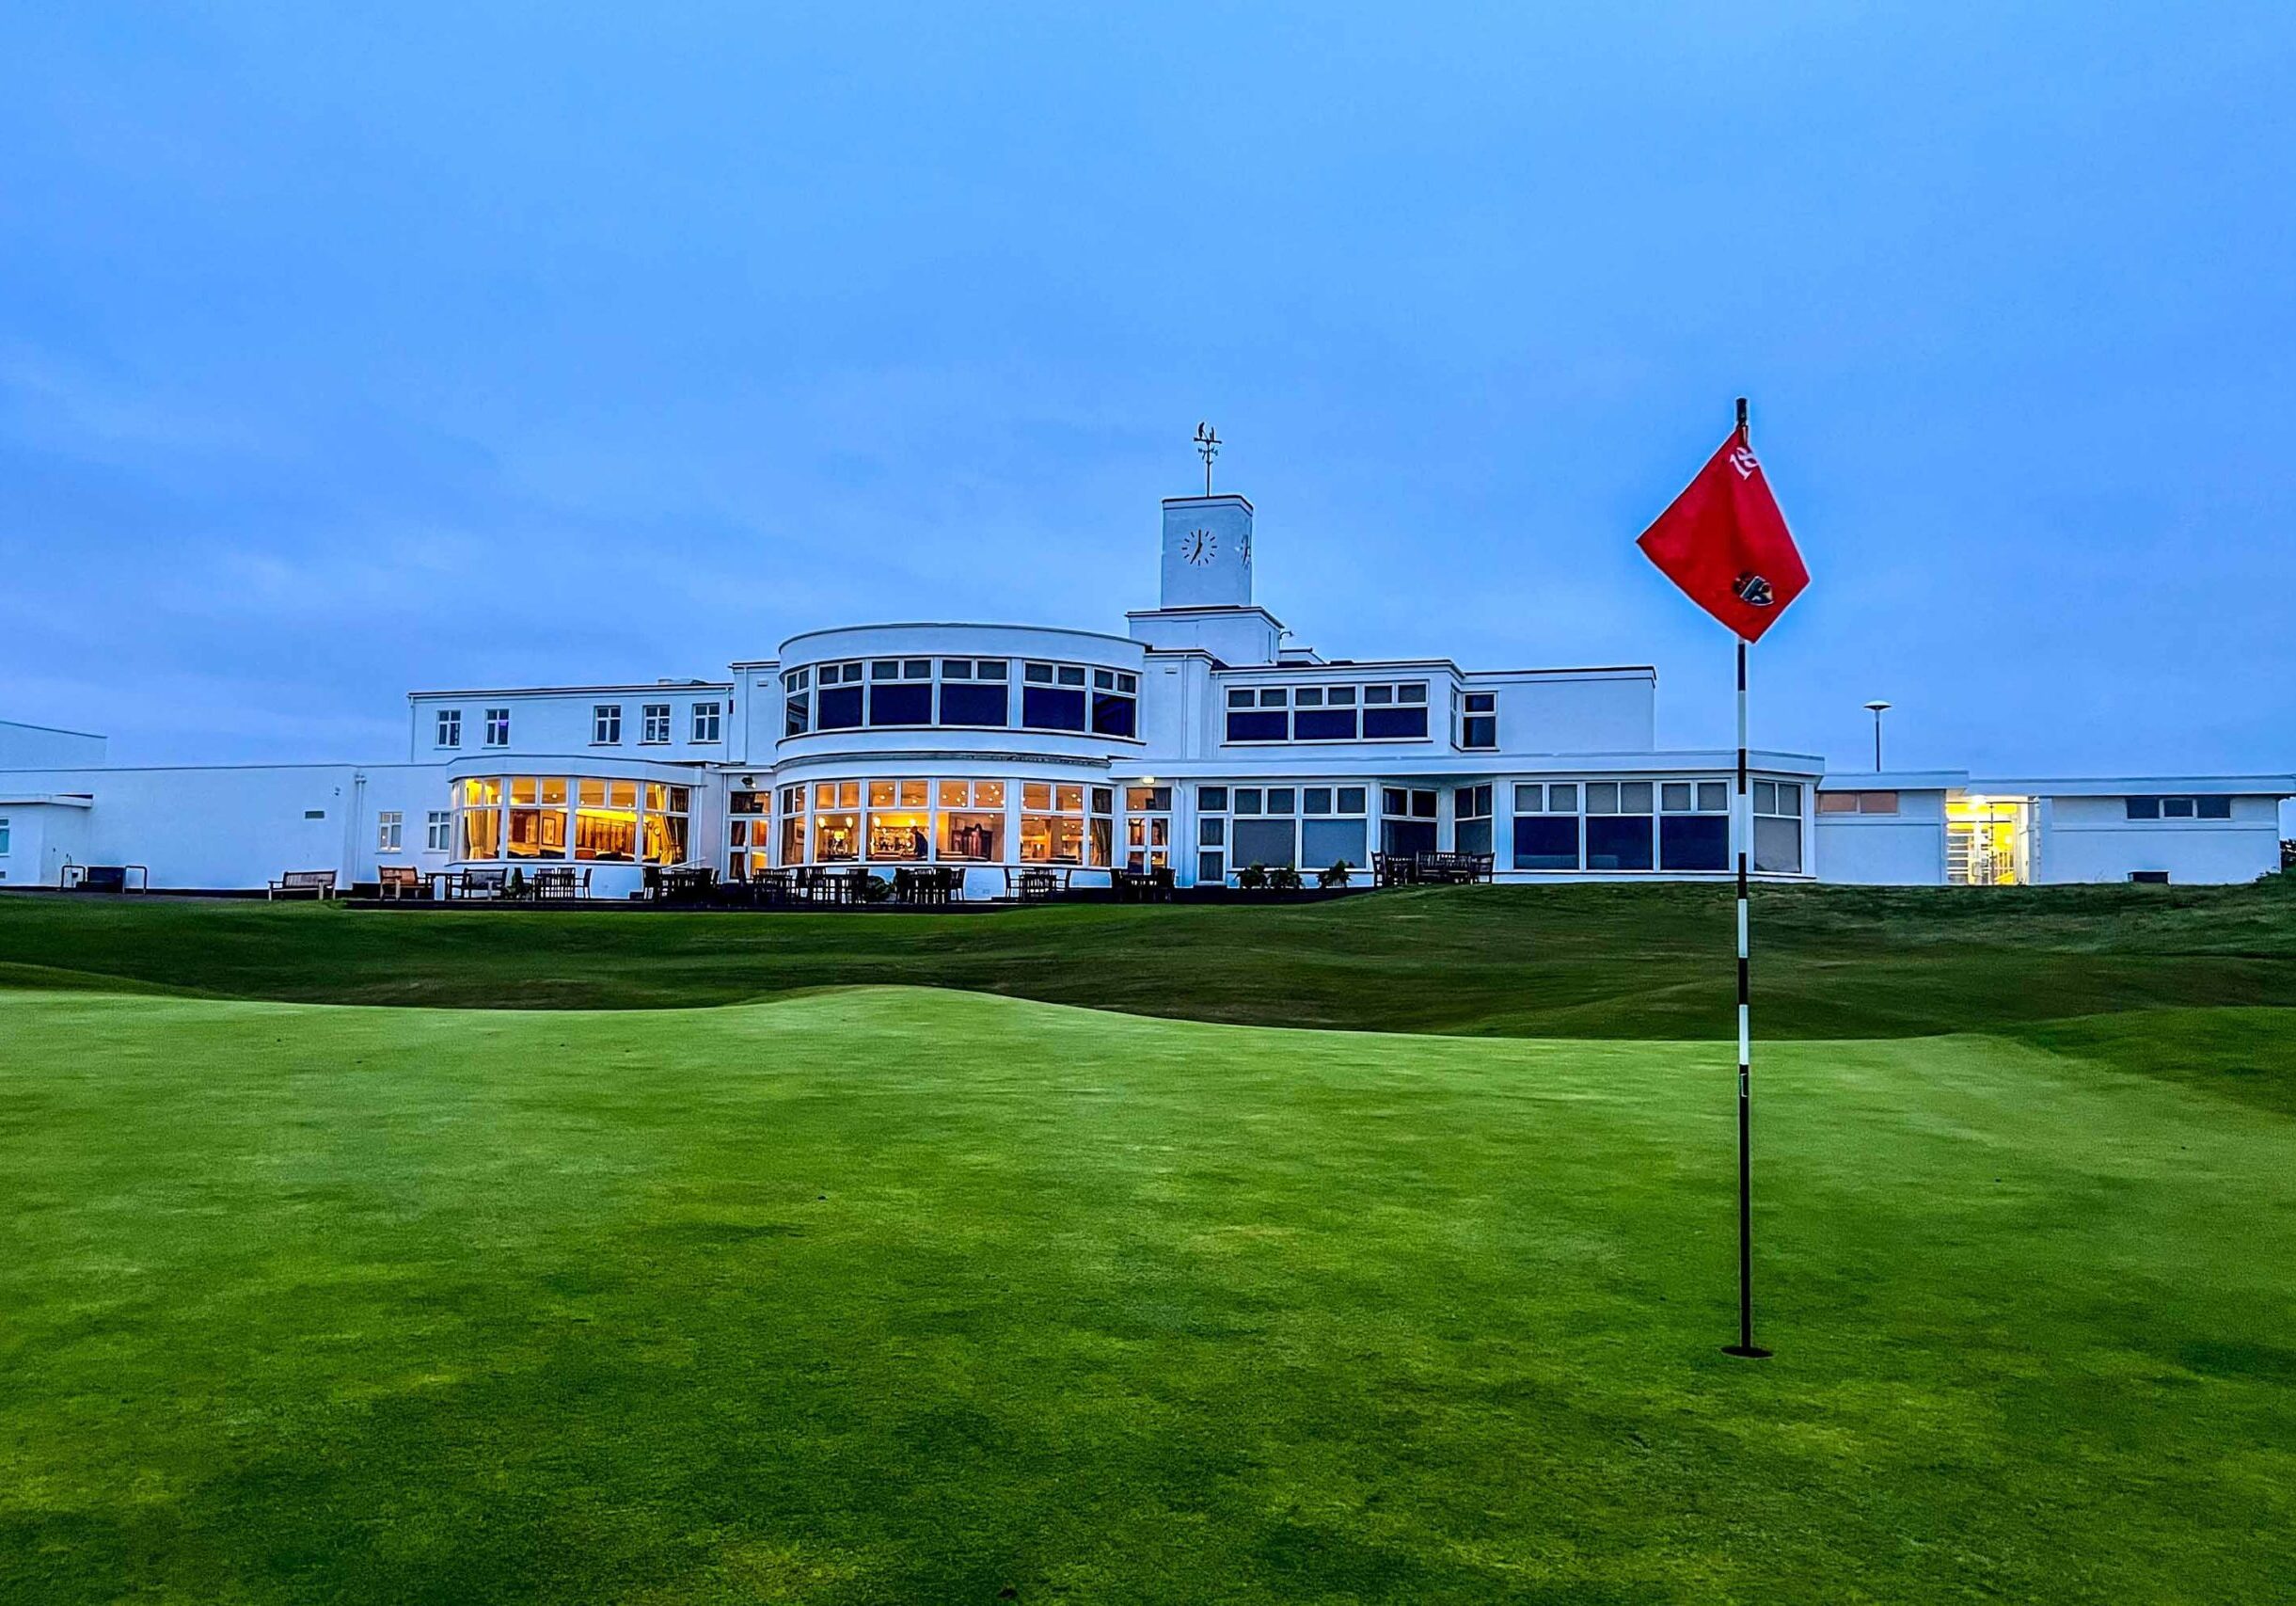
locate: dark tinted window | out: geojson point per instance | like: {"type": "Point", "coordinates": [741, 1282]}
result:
{"type": "Point", "coordinates": [1046, 708]}
{"type": "Point", "coordinates": [973, 705]}
{"type": "Point", "coordinates": [1694, 841]}
{"type": "Point", "coordinates": [1268, 724]}
{"type": "Point", "coordinates": [1618, 842]}
{"type": "Point", "coordinates": [2143, 808]}
{"type": "Point", "coordinates": [1112, 715]}
{"type": "Point", "coordinates": [1546, 842]}
{"type": "Point", "coordinates": [901, 704]}
{"type": "Point", "coordinates": [1407, 837]}
{"type": "Point", "coordinates": [1324, 724]}
{"type": "Point", "coordinates": [2215, 808]}
{"type": "Point", "coordinates": [1394, 724]}
{"type": "Point", "coordinates": [1480, 730]}
{"type": "Point", "coordinates": [837, 708]}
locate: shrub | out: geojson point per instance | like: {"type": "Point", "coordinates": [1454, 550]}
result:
{"type": "Point", "coordinates": [1283, 879]}
{"type": "Point", "coordinates": [1252, 878]}
{"type": "Point", "coordinates": [1335, 876]}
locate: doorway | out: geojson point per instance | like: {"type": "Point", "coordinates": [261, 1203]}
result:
{"type": "Point", "coordinates": [1989, 842]}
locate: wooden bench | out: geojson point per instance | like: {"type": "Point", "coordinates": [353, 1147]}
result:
{"type": "Point", "coordinates": [302, 884]}
{"type": "Point", "coordinates": [1394, 869]}
{"type": "Point", "coordinates": [401, 882]}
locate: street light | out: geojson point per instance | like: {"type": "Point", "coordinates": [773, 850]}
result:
{"type": "Point", "coordinates": [1876, 708]}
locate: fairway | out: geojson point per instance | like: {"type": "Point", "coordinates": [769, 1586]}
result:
{"type": "Point", "coordinates": [895, 1294]}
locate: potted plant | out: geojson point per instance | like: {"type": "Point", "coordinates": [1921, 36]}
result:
{"type": "Point", "coordinates": [1283, 878]}
{"type": "Point", "coordinates": [1252, 878]}
{"type": "Point", "coordinates": [1334, 877]}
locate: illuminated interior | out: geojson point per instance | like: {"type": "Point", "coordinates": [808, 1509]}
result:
{"type": "Point", "coordinates": [1989, 842]}
{"type": "Point", "coordinates": [593, 818]}
{"type": "Point", "coordinates": [896, 821]}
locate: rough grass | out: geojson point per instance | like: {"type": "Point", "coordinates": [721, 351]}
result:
{"type": "Point", "coordinates": [906, 1295]}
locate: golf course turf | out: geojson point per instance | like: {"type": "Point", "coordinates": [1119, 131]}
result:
{"type": "Point", "coordinates": [827, 1286]}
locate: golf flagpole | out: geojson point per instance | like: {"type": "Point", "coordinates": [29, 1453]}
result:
{"type": "Point", "coordinates": [1745, 809]}
{"type": "Point", "coordinates": [1725, 543]}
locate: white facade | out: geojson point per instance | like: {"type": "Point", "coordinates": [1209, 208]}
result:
{"type": "Point", "coordinates": [1197, 740]}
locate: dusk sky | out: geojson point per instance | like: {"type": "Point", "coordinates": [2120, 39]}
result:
{"type": "Point", "coordinates": [342, 356]}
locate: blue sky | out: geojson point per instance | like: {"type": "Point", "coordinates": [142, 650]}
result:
{"type": "Point", "coordinates": [340, 354]}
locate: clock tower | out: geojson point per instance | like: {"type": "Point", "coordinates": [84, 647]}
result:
{"type": "Point", "coordinates": [1207, 553]}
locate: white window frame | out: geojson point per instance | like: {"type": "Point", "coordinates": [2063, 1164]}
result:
{"type": "Point", "coordinates": [498, 727]}
{"type": "Point", "coordinates": [606, 725]}
{"type": "Point", "coordinates": [448, 729]}
{"type": "Point", "coordinates": [390, 831]}
{"type": "Point", "coordinates": [654, 725]}
{"type": "Point", "coordinates": [439, 831]}
{"type": "Point", "coordinates": [707, 723]}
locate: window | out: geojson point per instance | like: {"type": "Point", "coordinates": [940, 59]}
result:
{"type": "Point", "coordinates": [667, 823]}
{"type": "Point", "coordinates": [1857, 802]}
{"type": "Point", "coordinates": [439, 831]}
{"type": "Point", "coordinates": [1298, 827]}
{"type": "Point", "coordinates": [797, 715]}
{"type": "Point", "coordinates": [1055, 828]}
{"type": "Point", "coordinates": [1148, 828]}
{"type": "Point", "coordinates": [1618, 825]}
{"type": "Point", "coordinates": [837, 697]}
{"type": "Point", "coordinates": [605, 820]}
{"type": "Point", "coordinates": [1257, 715]}
{"type": "Point", "coordinates": [1479, 720]}
{"type": "Point", "coordinates": [1116, 695]}
{"type": "Point", "coordinates": [387, 828]}
{"type": "Point", "coordinates": [1395, 713]}
{"type": "Point", "coordinates": [1547, 826]}
{"type": "Point", "coordinates": [1471, 810]}
{"type": "Point", "coordinates": [479, 804]}
{"type": "Point", "coordinates": [449, 727]}
{"type": "Point", "coordinates": [901, 691]}
{"type": "Point", "coordinates": [972, 818]}
{"type": "Point", "coordinates": [1778, 827]}
{"type": "Point", "coordinates": [707, 723]}
{"type": "Point", "coordinates": [1408, 820]}
{"type": "Point", "coordinates": [606, 725]}
{"type": "Point", "coordinates": [2178, 808]}
{"type": "Point", "coordinates": [653, 729]}
{"type": "Point", "coordinates": [1052, 698]}
{"type": "Point", "coordinates": [498, 727]}
{"type": "Point", "coordinates": [1693, 825]}
{"type": "Point", "coordinates": [972, 691]}
{"type": "Point", "coordinates": [1391, 712]}
{"type": "Point", "coordinates": [536, 827]}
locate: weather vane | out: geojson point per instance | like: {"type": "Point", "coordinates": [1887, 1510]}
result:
{"type": "Point", "coordinates": [1206, 447]}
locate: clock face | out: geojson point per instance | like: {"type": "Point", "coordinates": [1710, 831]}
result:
{"type": "Point", "coordinates": [1245, 550]}
{"type": "Point", "coordinates": [1199, 547]}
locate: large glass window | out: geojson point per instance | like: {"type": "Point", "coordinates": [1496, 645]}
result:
{"type": "Point", "coordinates": [1395, 713]}
{"type": "Point", "coordinates": [537, 822]}
{"type": "Point", "coordinates": [1778, 827]}
{"type": "Point", "coordinates": [1471, 816]}
{"type": "Point", "coordinates": [479, 805]}
{"type": "Point", "coordinates": [901, 691]}
{"type": "Point", "coordinates": [1407, 822]}
{"type": "Point", "coordinates": [1305, 827]}
{"type": "Point", "coordinates": [900, 820]}
{"type": "Point", "coordinates": [972, 691]}
{"type": "Point", "coordinates": [1693, 825]}
{"type": "Point", "coordinates": [1619, 825]}
{"type": "Point", "coordinates": [1115, 703]}
{"type": "Point", "coordinates": [1392, 712]}
{"type": "Point", "coordinates": [793, 825]}
{"type": "Point", "coordinates": [1547, 825]}
{"type": "Point", "coordinates": [972, 821]}
{"type": "Point", "coordinates": [605, 820]}
{"type": "Point", "coordinates": [1052, 697]}
{"type": "Point", "coordinates": [837, 697]}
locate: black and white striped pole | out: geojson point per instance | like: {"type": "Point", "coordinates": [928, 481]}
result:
{"type": "Point", "coordinates": [1745, 831]}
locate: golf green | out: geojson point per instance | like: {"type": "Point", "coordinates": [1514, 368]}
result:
{"type": "Point", "coordinates": [895, 1294]}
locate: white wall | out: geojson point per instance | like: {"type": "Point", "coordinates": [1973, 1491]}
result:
{"type": "Point", "coordinates": [562, 721]}
{"type": "Point", "coordinates": [1905, 849]}
{"type": "Point", "coordinates": [2092, 839]}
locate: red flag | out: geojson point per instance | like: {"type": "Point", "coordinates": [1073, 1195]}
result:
{"type": "Point", "coordinates": [1725, 543]}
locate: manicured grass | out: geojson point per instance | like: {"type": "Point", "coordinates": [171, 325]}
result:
{"type": "Point", "coordinates": [902, 1295]}
{"type": "Point", "coordinates": [1648, 960]}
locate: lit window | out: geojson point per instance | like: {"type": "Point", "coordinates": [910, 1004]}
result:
{"type": "Point", "coordinates": [387, 827]}
{"type": "Point", "coordinates": [606, 725]}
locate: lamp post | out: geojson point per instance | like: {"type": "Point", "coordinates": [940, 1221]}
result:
{"type": "Point", "coordinates": [1877, 708]}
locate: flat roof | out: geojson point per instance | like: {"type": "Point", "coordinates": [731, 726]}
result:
{"type": "Point", "coordinates": [575, 690]}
